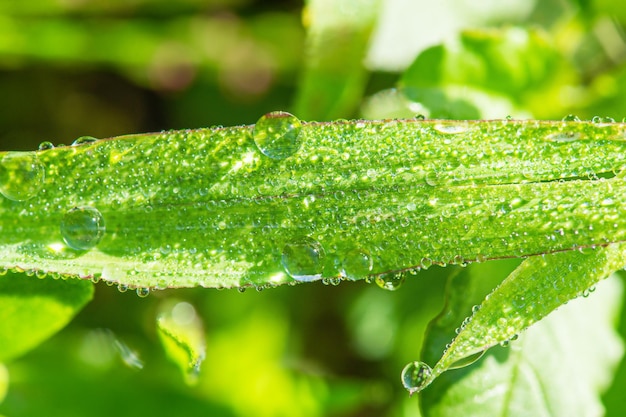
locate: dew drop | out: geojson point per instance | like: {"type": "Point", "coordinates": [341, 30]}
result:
{"type": "Point", "coordinates": [303, 259]}
{"type": "Point", "coordinates": [356, 264]}
{"type": "Point", "coordinates": [415, 376]}
{"type": "Point", "coordinates": [432, 179]}
{"type": "Point", "coordinates": [602, 120]}
{"type": "Point", "coordinates": [571, 118]}
{"type": "Point", "coordinates": [563, 137]}
{"type": "Point", "coordinates": [276, 134]}
{"type": "Point", "coordinates": [21, 175]}
{"type": "Point", "coordinates": [390, 281]}
{"type": "Point", "coordinates": [44, 146]}
{"type": "Point", "coordinates": [82, 227]}
{"type": "Point", "coordinates": [122, 287]}
{"type": "Point", "coordinates": [83, 140]}
{"type": "Point", "coordinates": [450, 128]}
{"type": "Point", "coordinates": [143, 292]}
{"type": "Point", "coordinates": [466, 361]}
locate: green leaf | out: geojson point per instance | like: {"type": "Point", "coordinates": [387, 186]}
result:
{"type": "Point", "coordinates": [464, 290]}
{"type": "Point", "coordinates": [556, 368]}
{"type": "Point", "coordinates": [536, 288]}
{"type": "Point", "coordinates": [35, 309]}
{"type": "Point", "coordinates": [456, 79]}
{"type": "Point", "coordinates": [338, 37]}
{"type": "Point", "coordinates": [182, 336]}
{"type": "Point", "coordinates": [350, 200]}
{"type": "Point", "coordinates": [4, 382]}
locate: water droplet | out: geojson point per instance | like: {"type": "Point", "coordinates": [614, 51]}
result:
{"type": "Point", "coordinates": [451, 128]}
{"type": "Point", "coordinates": [571, 118]}
{"type": "Point", "coordinates": [143, 292]}
{"type": "Point", "coordinates": [563, 137]}
{"type": "Point", "coordinates": [390, 281]}
{"type": "Point", "coordinates": [21, 175]}
{"type": "Point", "coordinates": [466, 361]}
{"type": "Point", "coordinates": [303, 259]}
{"type": "Point", "coordinates": [432, 179]}
{"type": "Point", "coordinates": [357, 264]}
{"type": "Point", "coordinates": [602, 120]}
{"type": "Point", "coordinates": [82, 227]}
{"type": "Point", "coordinates": [416, 376]}
{"type": "Point", "coordinates": [276, 134]}
{"type": "Point", "coordinates": [122, 287]}
{"type": "Point", "coordinates": [44, 146]}
{"type": "Point", "coordinates": [83, 140]}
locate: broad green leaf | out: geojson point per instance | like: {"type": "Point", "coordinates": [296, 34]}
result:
{"type": "Point", "coordinates": [35, 309]}
{"type": "Point", "coordinates": [536, 288]}
{"type": "Point", "coordinates": [337, 39]}
{"type": "Point", "coordinates": [182, 336]}
{"type": "Point", "coordinates": [558, 367]}
{"type": "Point", "coordinates": [308, 201]}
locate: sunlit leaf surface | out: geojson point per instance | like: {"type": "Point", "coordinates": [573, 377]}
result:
{"type": "Point", "coordinates": [287, 201]}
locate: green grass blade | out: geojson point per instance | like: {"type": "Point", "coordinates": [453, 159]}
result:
{"type": "Point", "coordinates": [183, 338]}
{"type": "Point", "coordinates": [532, 291]}
{"type": "Point", "coordinates": [338, 38]}
{"type": "Point", "coordinates": [209, 208]}
{"type": "Point", "coordinates": [558, 367]}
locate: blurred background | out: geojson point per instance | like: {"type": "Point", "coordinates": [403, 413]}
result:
{"type": "Point", "coordinates": [103, 68]}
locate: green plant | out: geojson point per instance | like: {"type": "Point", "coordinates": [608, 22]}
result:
{"type": "Point", "coordinates": [286, 201]}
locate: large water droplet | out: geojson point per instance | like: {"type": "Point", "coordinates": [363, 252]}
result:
{"type": "Point", "coordinates": [83, 140]}
{"type": "Point", "coordinates": [21, 175]}
{"type": "Point", "coordinates": [44, 146]}
{"type": "Point", "coordinates": [356, 264]}
{"type": "Point", "coordinates": [571, 118]}
{"type": "Point", "coordinates": [276, 134]}
{"type": "Point", "coordinates": [415, 376]}
{"type": "Point", "coordinates": [390, 281]}
{"type": "Point", "coordinates": [82, 228]}
{"type": "Point", "coordinates": [303, 259]}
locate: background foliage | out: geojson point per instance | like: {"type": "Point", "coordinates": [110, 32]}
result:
{"type": "Point", "coordinates": [104, 68]}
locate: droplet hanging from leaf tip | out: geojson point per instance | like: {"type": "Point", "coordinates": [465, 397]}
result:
{"type": "Point", "coordinates": [416, 376]}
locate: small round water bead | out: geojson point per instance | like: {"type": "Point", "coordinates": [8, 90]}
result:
{"type": "Point", "coordinates": [82, 228]}
{"type": "Point", "coordinates": [276, 134]}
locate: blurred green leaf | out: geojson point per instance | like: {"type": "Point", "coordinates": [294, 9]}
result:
{"type": "Point", "coordinates": [337, 39]}
{"type": "Point", "coordinates": [182, 335]}
{"type": "Point", "coordinates": [4, 381]}
{"type": "Point", "coordinates": [518, 64]}
{"type": "Point", "coordinates": [34, 309]}
{"type": "Point", "coordinates": [556, 368]}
